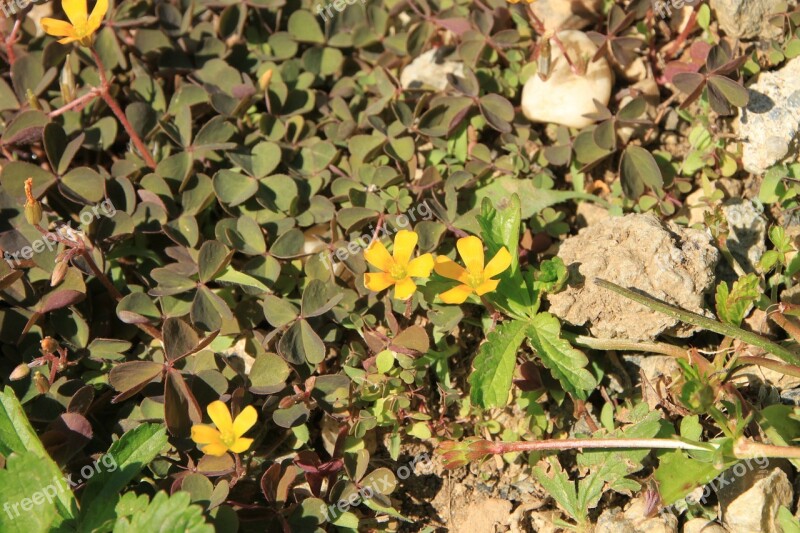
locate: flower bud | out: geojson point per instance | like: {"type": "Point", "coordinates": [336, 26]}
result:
{"type": "Point", "coordinates": [33, 209]}
{"type": "Point", "coordinates": [42, 385]}
{"type": "Point", "coordinates": [67, 83]}
{"type": "Point", "coordinates": [33, 101]}
{"type": "Point", "coordinates": [20, 372]}
{"type": "Point", "coordinates": [58, 273]}
{"type": "Point", "coordinates": [264, 80]}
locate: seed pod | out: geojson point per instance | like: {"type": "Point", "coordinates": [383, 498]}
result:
{"type": "Point", "coordinates": [49, 345]}
{"type": "Point", "coordinates": [42, 385]}
{"type": "Point", "coordinates": [20, 372]}
{"type": "Point", "coordinates": [67, 83]}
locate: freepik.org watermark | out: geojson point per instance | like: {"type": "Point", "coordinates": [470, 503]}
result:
{"type": "Point", "coordinates": [59, 484]}
{"type": "Point", "coordinates": [378, 486]}
{"type": "Point", "coordinates": [663, 8]}
{"type": "Point", "coordinates": [421, 210]}
{"type": "Point", "coordinates": [50, 239]}
{"type": "Point", "coordinates": [723, 480]}
{"type": "Point", "coordinates": [338, 5]}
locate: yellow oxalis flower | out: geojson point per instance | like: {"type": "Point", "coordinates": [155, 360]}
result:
{"type": "Point", "coordinates": [475, 278]}
{"type": "Point", "coordinates": [398, 269]}
{"type": "Point", "coordinates": [83, 25]}
{"type": "Point", "coordinates": [227, 436]}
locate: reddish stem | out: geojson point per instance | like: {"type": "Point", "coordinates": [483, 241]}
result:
{"type": "Point", "coordinates": [117, 110]}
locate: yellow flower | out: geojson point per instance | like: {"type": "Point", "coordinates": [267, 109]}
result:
{"type": "Point", "coordinates": [475, 278]}
{"type": "Point", "coordinates": [227, 436]}
{"type": "Point", "coordinates": [397, 270]}
{"type": "Point", "coordinates": [83, 25]}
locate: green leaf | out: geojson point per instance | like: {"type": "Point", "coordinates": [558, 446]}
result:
{"type": "Point", "coordinates": [494, 365]}
{"type": "Point", "coordinates": [164, 513]}
{"type": "Point", "coordinates": [208, 310]}
{"type": "Point", "coordinates": [565, 362]}
{"type": "Point", "coordinates": [733, 305]}
{"type": "Point", "coordinates": [638, 169]}
{"type": "Point", "coordinates": [301, 343]}
{"type": "Point", "coordinates": [230, 276]}
{"type": "Point", "coordinates": [28, 489]}
{"type": "Point", "coordinates": [214, 257]}
{"type": "Point", "coordinates": [303, 27]}
{"type": "Point", "coordinates": [130, 454]}
{"type": "Point", "coordinates": [557, 484]}
{"type": "Point", "coordinates": [17, 436]}
{"type": "Point", "coordinates": [678, 475]}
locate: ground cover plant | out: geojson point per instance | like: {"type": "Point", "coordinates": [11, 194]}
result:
{"type": "Point", "coordinates": [399, 265]}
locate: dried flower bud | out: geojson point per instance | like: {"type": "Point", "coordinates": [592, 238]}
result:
{"type": "Point", "coordinates": [49, 345]}
{"type": "Point", "coordinates": [20, 372]}
{"type": "Point", "coordinates": [33, 209]}
{"type": "Point", "coordinates": [264, 80]}
{"type": "Point", "coordinates": [42, 385]}
{"type": "Point", "coordinates": [58, 273]}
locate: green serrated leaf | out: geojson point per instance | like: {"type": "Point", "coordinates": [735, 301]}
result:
{"type": "Point", "coordinates": [565, 362]}
{"type": "Point", "coordinates": [734, 304]}
{"type": "Point", "coordinates": [495, 363]}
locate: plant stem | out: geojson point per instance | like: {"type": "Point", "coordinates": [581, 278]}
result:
{"type": "Point", "coordinates": [104, 92]}
{"type": "Point", "coordinates": [574, 444]}
{"type": "Point", "coordinates": [701, 321]}
{"type": "Point", "coordinates": [625, 344]}
{"type": "Point", "coordinates": [76, 103]}
{"type": "Point", "coordinates": [777, 366]}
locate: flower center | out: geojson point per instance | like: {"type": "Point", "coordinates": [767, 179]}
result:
{"type": "Point", "coordinates": [228, 438]}
{"type": "Point", "coordinates": [398, 272]}
{"type": "Point", "coordinates": [475, 280]}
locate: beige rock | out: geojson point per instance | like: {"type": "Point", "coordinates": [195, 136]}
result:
{"type": "Point", "coordinates": [589, 213]}
{"type": "Point", "coordinates": [430, 70]}
{"type": "Point", "coordinates": [701, 525]}
{"type": "Point", "coordinates": [668, 262]}
{"type": "Point", "coordinates": [565, 96]}
{"type": "Point", "coordinates": [756, 508]}
{"type": "Point", "coordinates": [557, 15]}
{"type": "Point", "coordinates": [635, 520]}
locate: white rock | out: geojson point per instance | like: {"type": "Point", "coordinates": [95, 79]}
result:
{"type": "Point", "coordinates": [635, 520]}
{"type": "Point", "coordinates": [565, 96]}
{"type": "Point", "coordinates": [557, 15]}
{"type": "Point", "coordinates": [430, 70]}
{"type": "Point", "coordinates": [770, 122]}
{"type": "Point", "coordinates": [748, 232]}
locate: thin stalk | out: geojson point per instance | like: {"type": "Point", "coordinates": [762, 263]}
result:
{"type": "Point", "coordinates": [701, 321]}
{"type": "Point", "coordinates": [76, 103]}
{"type": "Point", "coordinates": [574, 444]}
{"type": "Point", "coordinates": [777, 366]}
{"type": "Point", "coordinates": [117, 110]}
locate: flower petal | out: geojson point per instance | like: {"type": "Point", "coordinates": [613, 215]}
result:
{"type": "Point", "coordinates": [377, 255]}
{"type": "Point", "coordinates": [203, 434]}
{"type": "Point", "coordinates": [76, 11]}
{"type": "Point", "coordinates": [241, 445]}
{"type": "Point", "coordinates": [404, 244]}
{"type": "Point", "coordinates": [471, 251]}
{"type": "Point", "coordinates": [216, 449]}
{"type": "Point", "coordinates": [487, 286]}
{"type": "Point", "coordinates": [456, 295]}
{"type": "Point", "coordinates": [404, 289]}
{"type": "Point", "coordinates": [98, 13]}
{"type": "Point", "coordinates": [450, 269]}
{"type": "Point", "coordinates": [221, 417]}
{"type": "Point", "coordinates": [244, 421]}
{"type": "Point", "coordinates": [500, 262]}
{"type": "Point", "coordinates": [421, 266]}
{"type": "Point", "coordinates": [57, 28]}
{"type": "Point", "coordinates": [377, 281]}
